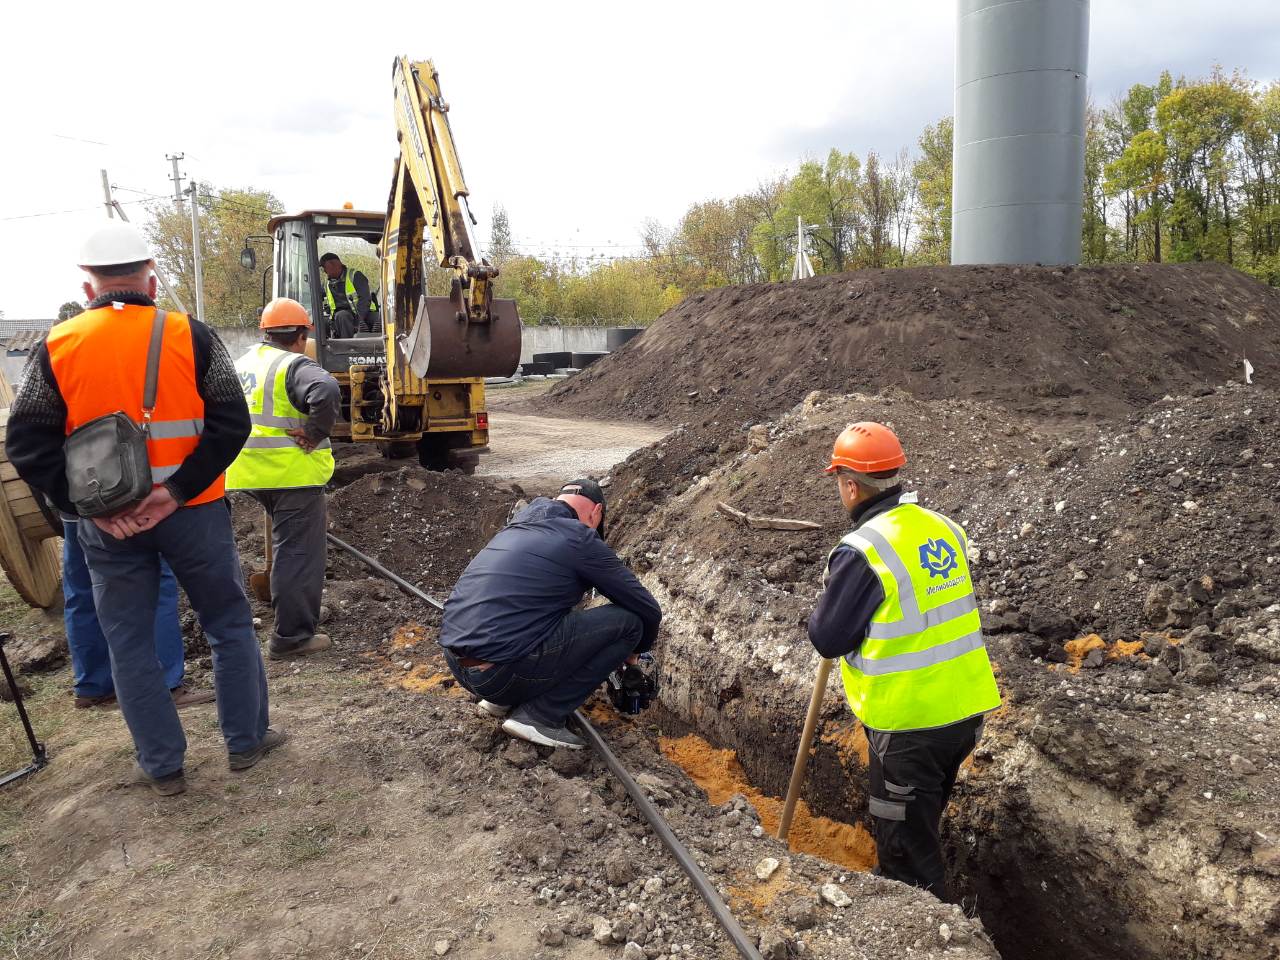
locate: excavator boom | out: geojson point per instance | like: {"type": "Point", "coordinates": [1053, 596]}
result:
{"type": "Point", "coordinates": [469, 333]}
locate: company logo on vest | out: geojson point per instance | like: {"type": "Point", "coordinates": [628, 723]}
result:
{"type": "Point", "coordinates": [938, 558]}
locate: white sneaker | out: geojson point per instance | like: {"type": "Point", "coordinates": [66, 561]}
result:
{"type": "Point", "coordinates": [487, 709]}
{"type": "Point", "coordinates": [526, 728]}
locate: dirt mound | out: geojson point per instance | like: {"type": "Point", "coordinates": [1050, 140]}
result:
{"type": "Point", "coordinates": [1086, 341]}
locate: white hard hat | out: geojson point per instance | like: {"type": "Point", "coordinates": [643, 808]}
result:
{"type": "Point", "coordinates": [112, 245]}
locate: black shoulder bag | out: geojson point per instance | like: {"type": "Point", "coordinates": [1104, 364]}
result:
{"type": "Point", "coordinates": [107, 463]}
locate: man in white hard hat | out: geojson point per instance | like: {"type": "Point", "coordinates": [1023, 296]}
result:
{"type": "Point", "coordinates": [94, 365]}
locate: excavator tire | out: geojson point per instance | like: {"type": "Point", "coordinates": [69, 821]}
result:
{"type": "Point", "coordinates": [397, 449]}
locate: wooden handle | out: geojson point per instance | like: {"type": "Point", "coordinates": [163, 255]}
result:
{"type": "Point", "coordinates": [802, 753]}
{"type": "Point", "coordinates": [266, 532]}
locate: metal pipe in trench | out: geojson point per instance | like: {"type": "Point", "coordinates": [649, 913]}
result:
{"type": "Point", "coordinates": [737, 936]}
{"type": "Point", "coordinates": [378, 568]}
{"type": "Point", "coordinates": [700, 881]}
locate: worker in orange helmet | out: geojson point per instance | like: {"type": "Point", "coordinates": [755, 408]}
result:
{"type": "Point", "coordinates": [899, 611]}
{"type": "Point", "coordinates": [285, 464]}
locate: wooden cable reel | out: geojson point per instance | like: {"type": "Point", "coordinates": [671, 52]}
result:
{"type": "Point", "coordinates": [30, 534]}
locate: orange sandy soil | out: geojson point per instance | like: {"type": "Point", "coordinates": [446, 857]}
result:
{"type": "Point", "coordinates": [720, 775]}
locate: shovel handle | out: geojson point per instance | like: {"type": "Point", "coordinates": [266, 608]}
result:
{"type": "Point", "coordinates": [266, 532]}
{"type": "Point", "coordinates": [802, 753]}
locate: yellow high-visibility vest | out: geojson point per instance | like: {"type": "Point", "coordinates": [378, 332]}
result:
{"type": "Point", "coordinates": [923, 663]}
{"type": "Point", "coordinates": [352, 298]}
{"type": "Point", "coordinates": [270, 458]}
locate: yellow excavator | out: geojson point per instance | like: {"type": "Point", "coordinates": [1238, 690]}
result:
{"type": "Point", "coordinates": [418, 384]}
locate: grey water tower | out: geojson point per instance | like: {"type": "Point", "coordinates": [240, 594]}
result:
{"type": "Point", "coordinates": [1018, 161]}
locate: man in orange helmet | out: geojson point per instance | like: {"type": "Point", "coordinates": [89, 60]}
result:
{"type": "Point", "coordinates": [899, 611]}
{"type": "Point", "coordinates": [287, 460]}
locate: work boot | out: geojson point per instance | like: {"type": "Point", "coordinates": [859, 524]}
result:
{"type": "Point", "coordinates": [521, 724]}
{"type": "Point", "coordinates": [317, 643]}
{"type": "Point", "coordinates": [107, 702]}
{"type": "Point", "coordinates": [487, 708]}
{"type": "Point", "coordinates": [169, 785]}
{"type": "Point", "coordinates": [243, 761]}
{"type": "Point", "coordinates": [184, 696]}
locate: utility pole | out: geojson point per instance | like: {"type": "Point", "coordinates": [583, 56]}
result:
{"type": "Point", "coordinates": [803, 268]}
{"type": "Point", "coordinates": [173, 294]}
{"type": "Point", "coordinates": [173, 158]}
{"type": "Point", "coordinates": [106, 193]}
{"type": "Point", "coordinates": [195, 250]}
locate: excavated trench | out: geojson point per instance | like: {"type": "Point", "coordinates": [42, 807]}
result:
{"type": "Point", "coordinates": [1045, 858]}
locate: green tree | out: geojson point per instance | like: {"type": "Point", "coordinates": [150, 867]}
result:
{"type": "Point", "coordinates": [501, 246]}
{"type": "Point", "coordinates": [69, 309]}
{"type": "Point", "coordinates": [232, 295]}
{"type": "Point", "coordinates": [933, 183]}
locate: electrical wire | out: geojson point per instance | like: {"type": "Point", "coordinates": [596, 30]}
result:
{"type": "Point", "coordinates": [58, 213]}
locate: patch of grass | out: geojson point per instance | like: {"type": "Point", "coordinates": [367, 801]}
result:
{"type": "Point", "coordinates": [1238, 795]}
{"type": "Point", "coordinates": [23, 935]}
{"type": "Point", "coordinates": [735, 481]}
{"type": "Point", "coordinates": [49, 708]}
{"type": "Point", "coordinates": [253, 835]}
{"type": "Point", "coordinates": [13, 609]}
{"type": "Point", "coordinates": [305, 843]}
{"type": "Point", "coordinates": [162, 868]}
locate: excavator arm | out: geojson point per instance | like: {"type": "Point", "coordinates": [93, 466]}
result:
{"type": "Point", "coordinates": [469, 333]}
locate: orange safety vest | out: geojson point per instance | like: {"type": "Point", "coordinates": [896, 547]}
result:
{"type": "Point", "coordinates": [99, 360]}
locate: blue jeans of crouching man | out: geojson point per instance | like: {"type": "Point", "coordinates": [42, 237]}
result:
{"type": "Point", "coordinates": [198, 544]}
{"type": "Point", "coordinates": [557, 678]}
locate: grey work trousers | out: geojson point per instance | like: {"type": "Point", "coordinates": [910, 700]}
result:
{"type": "Point", "coordinates": [198, 544]}
{"type": "Point", "coordinates": [299, 521]}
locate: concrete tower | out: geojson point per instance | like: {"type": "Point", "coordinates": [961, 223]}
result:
{"type": "Point", "coordinates": [1018, 162]}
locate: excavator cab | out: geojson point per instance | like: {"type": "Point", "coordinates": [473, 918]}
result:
{"type": "Point", "coordinates": [440, 418]}
{"type": "Point", "coordinates": [300, 242]}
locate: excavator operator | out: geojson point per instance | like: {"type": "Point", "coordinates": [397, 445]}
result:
{"type": "Point", "coordinates": [351, 307]}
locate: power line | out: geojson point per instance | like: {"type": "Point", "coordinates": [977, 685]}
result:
{"type": "Point", "coordinates": [57, 213]}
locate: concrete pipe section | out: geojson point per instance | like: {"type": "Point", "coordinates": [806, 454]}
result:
{"type": "Point", "coordinates": [1021, 71]}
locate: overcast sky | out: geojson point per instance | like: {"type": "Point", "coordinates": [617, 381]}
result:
{"type": "Point", "coordinates": [582, 119]}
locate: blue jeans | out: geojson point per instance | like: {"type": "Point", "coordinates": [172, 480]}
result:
{"type": "Point", "coordinates": [198, 544]}
{"type": "Point", "coordinates": [558, 677]}
{"type": "Point", "coordinates": [90, 659]}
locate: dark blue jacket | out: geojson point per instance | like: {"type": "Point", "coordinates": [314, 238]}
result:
{"type": "Point", "coordinates": [515, 592]}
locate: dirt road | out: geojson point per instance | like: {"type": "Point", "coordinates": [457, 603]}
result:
{"type": "Point", "coordinates": [541, 451]}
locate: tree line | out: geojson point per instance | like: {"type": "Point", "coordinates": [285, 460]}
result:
{"type": "Point", "coordinates": [1175, 170]}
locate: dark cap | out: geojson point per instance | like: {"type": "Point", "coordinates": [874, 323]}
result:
{"type": "Point", "coordinates": [592, 491]}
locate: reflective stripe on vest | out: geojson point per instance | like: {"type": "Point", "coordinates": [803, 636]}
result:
{"type": "Point", "coordinates": [99, 360]}
{"type": "Point", "coordinates": [352, 297]}
{"type": "Point", "coordinates": [923, 663]}
{"type": "Point", "coordinates": [270, 458]}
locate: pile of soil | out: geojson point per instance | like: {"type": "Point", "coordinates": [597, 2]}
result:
{"type": "Point", "coordinates": [1084, 340]}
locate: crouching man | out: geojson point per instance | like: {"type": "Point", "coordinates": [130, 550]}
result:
{"type": "Point", "coordinates": [511, 634]}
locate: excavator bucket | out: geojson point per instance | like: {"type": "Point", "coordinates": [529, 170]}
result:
{"type": "Point", "coordinates": [441, 345]}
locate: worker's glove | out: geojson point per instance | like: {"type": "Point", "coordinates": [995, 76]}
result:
{"type": "Point", "coordinates": [633, 686]}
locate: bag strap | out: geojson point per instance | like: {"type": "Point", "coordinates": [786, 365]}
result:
{"type": "Point", "coordinates": [153, 368]}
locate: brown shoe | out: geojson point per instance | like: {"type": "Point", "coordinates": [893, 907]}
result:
{"type": "Point", "coordinates": [184, 696]}
{"type": "Point", "coordinates": [317, 643]}
{"type": "Point", "coordinates": [167, 786]}
{"type": "Point", "coordinates": [107, 702]}
{"type": "Point", "coordinates": [243, 761]}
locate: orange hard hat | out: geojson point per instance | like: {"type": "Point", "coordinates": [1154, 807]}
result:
{"type": "Point", "coordinates": [867, 448]}
{"type": "Point", "coordinates": [283, 313]}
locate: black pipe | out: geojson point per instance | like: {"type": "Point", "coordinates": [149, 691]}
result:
{"type": "Point", "coordinates": [378, 568]}
{"type": "Point", "coordinates": [678, 850]}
